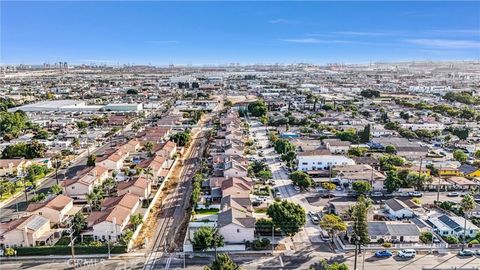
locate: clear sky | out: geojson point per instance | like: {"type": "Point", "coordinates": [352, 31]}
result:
{"type": "Point", "coordinates": [161, 33]}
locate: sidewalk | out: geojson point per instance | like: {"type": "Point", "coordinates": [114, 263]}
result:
{"type": "Point", "coordinates": [67, 257]}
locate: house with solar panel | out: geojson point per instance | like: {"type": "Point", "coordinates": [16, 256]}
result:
{"type": "Point", "coordinates": [446, 225]}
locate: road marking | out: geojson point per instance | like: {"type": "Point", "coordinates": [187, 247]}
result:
{"type": "Point", "coordinates": [169, 260]}
{"type": "Point", "coordinates": [281, 261]}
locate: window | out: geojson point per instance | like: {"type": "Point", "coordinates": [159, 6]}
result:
{"type": "Point", "coordinates": [73, 187]}
{"type": "Point", "coordinates": [238, 230]}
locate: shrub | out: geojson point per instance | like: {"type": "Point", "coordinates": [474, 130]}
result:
{"type": "Point", "coordinates": [260, 244]}
{"type": "Point", "coordinates": [451, 239]}
{"type": "Point", "coordinates": [387, 245]}
{"type": "Point", "coordinates": [474, 242]}
{"type": "Point", "coordinates": [426, 237]}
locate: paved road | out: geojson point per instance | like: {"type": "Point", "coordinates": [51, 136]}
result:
{"type": "Point", "coordinates": [299, 260]}
{"type": "Point", "coordinates": [175, 205]}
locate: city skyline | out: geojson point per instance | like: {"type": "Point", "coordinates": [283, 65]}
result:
{"type": "Point", "coordinates": [212, 33]}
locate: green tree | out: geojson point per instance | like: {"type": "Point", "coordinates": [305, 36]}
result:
{"type": "Point", "coordinates": [12, 123]}
{"type": "Point", "coordinates": [362, 187]}
{"type": "Point", "coordinates": [265, 175]}
{"type": "Point", "coordinates": [369, 93]}
{"type": "Point", "coordinates": [82, 125]}
{"type": "Point", "coordinates": [360, 223]}
{"type": "Point", "coordinates": [390, 149]}
{"type": "Point", "coordinates": [207, 238]}
{"type": "Point", "coordinates": [467, 204]}
{"type": "Point", "coordinates": [283, 146]}
{"type": "Point", "coordinates": [287, 216]}
{"type": "Point", "coordinates": [426, 237]}
{"type": "Point", "coordinates": [258, 108]}
{"type": "Point", "coordinates": [357, 151]}
{"type": "Point", "coordinates": [79, 222]}
{"type": "Point", "coordinates": [392, 182]}
{"type": "Point", "coordinates": [301, 179]}
{"type": "Point", "coordinates": [181, 138]}
{"type": "Point", "coordinates": [132, 91]}
{"type": "Point", "coordinates": [477, 154]}
{"type": "Point", "coordinates": [94, 198]}
{"type": "Point", "coordinates": [91, 160]}
{"type": "Point", "coordinates": [289, 157]}
{"type": "Point", "coordinates": [392, 125]}
{"type": "Point", "coordinates": [460, 156]}
{"type": "Point", "coordinates": [56, 189]}
{"type": "Point", "coordinates": [222, 262]}
{"type": "Point", "coordinates": [348, 135]}
{"type": "Point", "coordinates": [148, 146]}
{"type": "Point", "coordinates": [136, 220]}
{"type": "Point", "coordinates": [333, 225]}
{"type": "Point", "coordinates": [389, 162]}
{"type": "Point", "coordinates": [126, 236]}
{"type": "Point", "coordinates": [365, 135]}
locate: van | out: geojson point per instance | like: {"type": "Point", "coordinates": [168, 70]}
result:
{"type": "Point", "coordinates": [407, 253]}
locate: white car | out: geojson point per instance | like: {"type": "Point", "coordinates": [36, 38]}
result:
{"type": "Point", "coordinates": [407, 253]}
{"type": "Point", "coordinates": [297, 188]}
{"type": "Point", "coordinates": [315, 219]}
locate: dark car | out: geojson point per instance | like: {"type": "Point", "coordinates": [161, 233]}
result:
{"type": "Point", "coordinates": [29, 188]}
{"type": "Point", "coordinates": [328, 195]}
{"type": "Point", "coordinates": [383, 254]}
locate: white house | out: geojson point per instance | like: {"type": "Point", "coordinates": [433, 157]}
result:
{"type": "Point", "coordinates": [337, 146]}
{"type": "Point", "coordinates": [236, 226]}
{"type": "Point", "coordinates": [320, 160]}
{"type": "Point", "coordinates": [397, 209]}
{"type": "Point", "coordinates": [452, 225]}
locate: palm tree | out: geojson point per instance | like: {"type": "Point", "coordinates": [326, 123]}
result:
{"type": "Point", "coordinates": [467, 204]}
{"type": "Point", "coordinates": [109, 185]}
{"type": "Point", "coordinates": [148, 146]}
{"type": "Point", "coordinates": [148, 172]}
{"type": "Point", "coordinates": [136, 220]}
{"type": "Point", "coordinates": [95, 197]}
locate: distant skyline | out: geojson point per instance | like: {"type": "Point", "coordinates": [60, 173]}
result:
{"type": "Point", "coordinates": [197, 33]}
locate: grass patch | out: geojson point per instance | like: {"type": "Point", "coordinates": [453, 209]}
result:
{"type": "Point", "coordinates": [209, 211]}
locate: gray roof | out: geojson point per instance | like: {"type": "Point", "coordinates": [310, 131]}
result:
{"type": "Point", "coordinates": [238, 217]}
{"type": "Point", "coordinates": [382, 228]}
{"type": "Point", "coordinates": [466, 168]}
{"type": "Point", "coordinates": [396, 205]}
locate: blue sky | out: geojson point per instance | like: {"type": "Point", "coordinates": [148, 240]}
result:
{"type": "Point", "coordinates": [161, 33]}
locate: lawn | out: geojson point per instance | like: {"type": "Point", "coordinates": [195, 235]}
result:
{"type": "Point", "coordinates": [210, 211]}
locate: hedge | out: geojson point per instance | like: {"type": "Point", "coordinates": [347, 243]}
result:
{"type": "Point", "coordinates": [66, 250]}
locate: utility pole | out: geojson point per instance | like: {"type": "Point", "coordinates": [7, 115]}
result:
{"type": "Point", "coordinates": [273, 237]}
{"type": "Point", "coordinates": [72, 244]}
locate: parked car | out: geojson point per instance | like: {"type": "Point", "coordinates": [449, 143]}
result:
{"type": "Point", "coordinates": [453, 194]}
{"type": "Point", "coordinates": [338, 188]}
{"type": "Point", "coordinates": [29, 188]}
{"type": "Point", "coordinates": [314, 219]}
{"type": "Point", "coordinates": [477, 251]}
{"type": "Point", "coordinates": [407, 253]}
{"type": "Point", "coordinates": [377, 194]}
{"type": "Point", "coordinates": [328, 195]}
{"type": "Point", "coordinates": [278, 195]}
{"type": "Point", "coordinates": [416, 194]}
{"type": "Point", "coordinates": [466, 252]}
{"type": "Point", "coordinates": [383, 254]}
{"type": "Point", "coordinates": [297, 188]}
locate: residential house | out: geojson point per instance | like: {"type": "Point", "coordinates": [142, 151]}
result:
{"type": "Point", "coordinates": [397, 209]}
{"type": "Point", "coordinates": [27, 232]}
{"type": "Point", "coordinates": [13, 167]}
{"type": "Point", "coordinates": [320, 160]}
{"type": "Point", "coordinates": [234, 169]}
{"type": "Point", "coordinates": [79, 187]}
{"type": "Point", "coordinates": [448, 171]}
{"type": "Point", "coordinates": [469, 170]}
{"type": "Point", "coordinates": [55, 208]}
{"type": "Point", "coordinates": [446, 225]}
{"type": "Point", "coordinates": [394, 232]}
{"type": "Point", "coordinates": [236, 226]}
{"type": "Point", "coordinates": [462, 183]}
{"type": "Point", "coordinates": [337, 146]}
{"type": "Point", "coordinates": [139, 186]}
{"type": "Point", "coordinates": [167, 150]}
